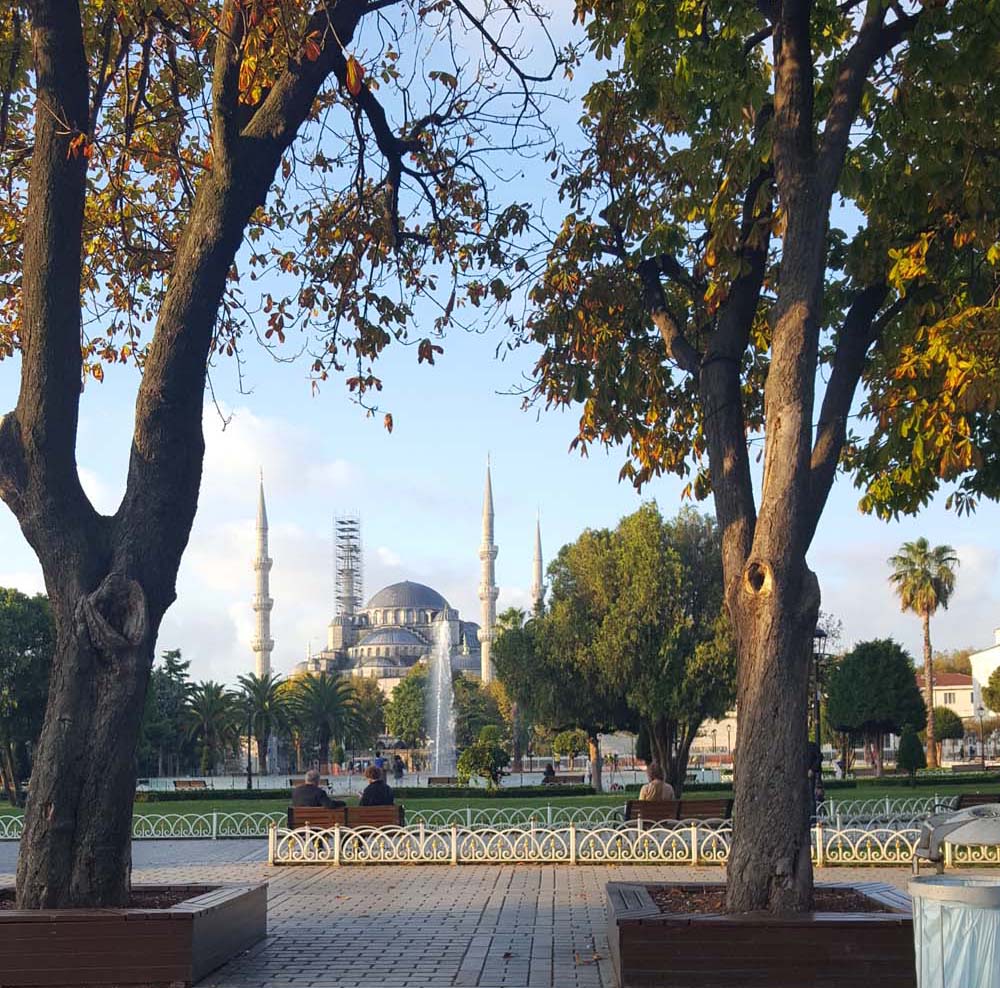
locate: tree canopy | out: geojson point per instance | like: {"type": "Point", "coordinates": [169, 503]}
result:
{"type": "Point", "coordinates": [991, 691]}
{"type": "Point", "coordinates": [873, 692]}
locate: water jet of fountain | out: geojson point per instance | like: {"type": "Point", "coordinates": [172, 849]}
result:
{"type": "Point", "coordinates": [441, 701]}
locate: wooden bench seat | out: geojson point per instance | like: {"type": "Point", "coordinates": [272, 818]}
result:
{"type": "Point", "coordinates": [182, 784]}
{"type": "Point", "coordinates": [967, 767]}
{"type": "Point", "coordinates": [968, 799]}
{"type": "Point", "coordinates": [321, 818]}
{"type": "Point", "coordinates": [562, 780]}
{"type": "Point", "coordinates": [670, 810]}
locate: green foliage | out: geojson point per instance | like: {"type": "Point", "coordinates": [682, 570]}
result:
{"type": "Point", "coordinates": [924, 577]}
{"type": "Point", "coordinates": [954, 660]}
{"type": "Point", "coordinates": [27, 639]}
{"type": "Point", "coordinates": [872, 691]}
{"type": "Point", "coordinates": [910, 755]}
{"type": "Point", "coordinates": [486, 758]}
{"type": "Point", "coordinates": [570, 743]}
{"type": "Point", "coordinates": [672, 203]}
{"type": "Point", "coordinates": [368, 722]}
{"type": "Point", "coordinates": [267, 702]}
{"type": "Point", "coordinates": [947, 725]}
{"type": "Point", "coordinates": [991, 691]}
{"type": "Point", "coordinates": [406, 711]}
{"type": "Point", "coordinates": [214, 720]}
{"type": "Point", "coordinates": [323, 707]}
{"type": "Point", "coordinates": [476, 707]}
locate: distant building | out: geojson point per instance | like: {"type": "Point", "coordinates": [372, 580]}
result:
{"type": "Point", "coordinates": [956, 691]}
{"type": "Point", "coordinates": [984, 663]}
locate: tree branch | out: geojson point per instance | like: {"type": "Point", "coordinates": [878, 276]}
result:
{"type": "Point", "coordinates": [48, 405]}
{"type": "Point", "coordinates": [875, 40]}
{"type": "Point", "coordinates": [679, 349]}
{"type": "Point", "coordinates": [226, 83]}
{"type": "Point", "coordinates": [793, 94]}
{"type": "Point", "coordinates": [862, 327]}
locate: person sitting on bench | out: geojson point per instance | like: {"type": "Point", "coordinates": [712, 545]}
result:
{"type": "Point", "coordinates": [310, 794]}
{"type": "Point", "coordinates": [656, 789]}
{"type": "Point", "coordinates": [377, 792]}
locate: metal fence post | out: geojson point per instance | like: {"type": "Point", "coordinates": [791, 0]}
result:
{"type": "Point", "coordinates": [694, 843]}
{"type": "Point", "coordinates": [423, 839]}
{"type": "Point", "coordinates": [215, 824]}
{"type": "Point", "coordinates": [572, 843]}
{"type": "Point", "coordinates": [548, 815]}
{"type": "Point", "coordinates": [271, 842]}
{"type": "Point", "coordinates": [454, 843]}
{"type": "Point", "coordinates": [820, 845]}
{"type": "Point", "coordinates": [336, 844]}
{"type": "Point", "coordinates": [888, 808]}
{"type": "Point", "coordinates": [468, 817]}
{"type": "Point", "coordinates": [949, 851]}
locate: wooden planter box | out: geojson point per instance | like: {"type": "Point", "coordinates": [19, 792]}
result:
{"type": "Point", "coordinates": [148, 947]}
{"type": "Point", "coordinates": [650, 949]}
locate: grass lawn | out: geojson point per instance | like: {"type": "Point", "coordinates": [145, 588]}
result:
{"type": "Point", "coordinates": [617, 799]}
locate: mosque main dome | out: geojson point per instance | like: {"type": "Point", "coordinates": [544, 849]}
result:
{"type": "Point", "coordinates": [407, 594]}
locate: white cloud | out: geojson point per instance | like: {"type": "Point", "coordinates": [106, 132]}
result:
{"type": "Point", "coordinates": [387, 557]}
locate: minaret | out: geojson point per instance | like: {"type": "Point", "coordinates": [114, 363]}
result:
{"type": "Point", "coordinates": [262, 643]}
{"type": "Point", "coordinates": [537, 587]}
{"type": "Point", "coordinates": [488, 591]}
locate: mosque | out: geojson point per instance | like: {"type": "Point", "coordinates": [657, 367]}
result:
{"type": "Point", "coordinates": [398, 626]}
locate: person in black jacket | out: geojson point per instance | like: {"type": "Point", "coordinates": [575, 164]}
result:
{"type": "Point", "coordinates": [376, 793]}
{"type": "Point", "coordinates": [310, 794]}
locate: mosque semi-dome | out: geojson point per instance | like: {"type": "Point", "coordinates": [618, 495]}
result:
{"type": "Point", "coordinates": [391, 636]}
{"type": "Point", "coordinates": [407, 594]}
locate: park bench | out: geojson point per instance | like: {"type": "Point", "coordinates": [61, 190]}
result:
{"type": "Point", "coordinates": [967, 767]}
{"type": "Point", "coordinates": [672, 810]}
{"type": "Point", "coordinates": [301, 782]}
{"type": "Point", "coordinates": [562, 780]}
{"type": "Point", "coordinates": [185, 784]}
{"type": "Point", "coordinates": [442, 780]}
{"type": "Point", "coordinates": [321, 818]}
{"type": "Point", "coordinates": [968, 799]}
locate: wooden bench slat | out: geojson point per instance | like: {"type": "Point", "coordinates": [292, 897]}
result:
{"type": "Point", "coordinates": [678, 809]}
{"type": "Point", "coordinates": [321, 818]}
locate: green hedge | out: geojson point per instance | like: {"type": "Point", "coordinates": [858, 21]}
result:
{"type": "Point", "coordinates": [210, 795]}
{"type": "Point", "coordinates": [402, 792]}
{"type": "Point", "coordinates": [932, 779]}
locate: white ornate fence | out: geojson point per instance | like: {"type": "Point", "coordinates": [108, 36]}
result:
{"type": "Point", "coordinates": [910, 809]}
{"type": "Point", "coordinates": [687, 843]}
{"type": "Point", "coordinates": [177, 826]}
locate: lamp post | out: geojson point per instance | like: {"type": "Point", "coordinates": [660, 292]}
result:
{"type": "Point", "coordinates": [819, 651]}
{"type": "Point", "coordinates": [980, 713]}
{"type": "Point", "coordinates": [249, 745]}
{"type": "Point", "coordinates": [729, 738]}
{"type": "Point", "coordinates": [713, 741]}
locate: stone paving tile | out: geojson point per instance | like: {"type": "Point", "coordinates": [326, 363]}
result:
{"type": "Point", "coordinates": [474, 926]}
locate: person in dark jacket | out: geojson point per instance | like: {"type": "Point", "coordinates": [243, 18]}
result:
{"type": "Point", "coordinates": [377, 792]}
{"type": "Point", "coordinates": [310, 794]}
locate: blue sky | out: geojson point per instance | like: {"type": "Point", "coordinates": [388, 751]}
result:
{"type": "Point", "coordinates": [419, 494]}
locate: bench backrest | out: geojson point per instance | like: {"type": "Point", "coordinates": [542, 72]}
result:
{"type": "Point", "coordinates": [678, 809]}
{"type": "Point", "coordinates": [968, 799]}
{"type": "Point", "coordinates": [320, 818]}
{"type": "Point", "coordinates": [190, 784]}
{"type": "Point", "coordinates": [442, 780]}
{"type": "Point", "coordinates": [301, 782]}
{"type": "Point", "coordinates": [562, 780]}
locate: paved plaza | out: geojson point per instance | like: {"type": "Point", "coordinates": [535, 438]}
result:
{"type": "Point", "coordinates": [472, 926]}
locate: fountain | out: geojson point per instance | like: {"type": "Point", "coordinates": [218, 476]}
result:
{"type": "Point", "coordinates": [440, 701]}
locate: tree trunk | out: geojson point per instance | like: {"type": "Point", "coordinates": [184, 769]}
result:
{"type": "Point", "coordinates": [932, 753]}
{"type": "Point", "coordinates": [262, 756]}
{"type": "Point", "coordinates": [770, 864]}
{"type": "Point", "coordinates": [517, 757]}
{"type": "Point", "coordinates": [76, 848]}
{"type": "Point", "coordinates": [8, 770]}
{"type": "Point", "coordinates": [877, 743]}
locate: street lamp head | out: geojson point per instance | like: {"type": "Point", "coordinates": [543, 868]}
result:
{"type": "Point", "coordinates": [819, 642]}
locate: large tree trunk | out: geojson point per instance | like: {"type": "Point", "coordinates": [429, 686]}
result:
{"type": "Point", "coordinates": [262, 756]}
{"type": "Point", "coordinates": [932, 752]}
{"type": "Point", "coordinates": [596, 768]}
{"type": "Point", "coordinates": [76, 848]}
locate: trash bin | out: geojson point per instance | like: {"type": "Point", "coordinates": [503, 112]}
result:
{"type": "Point", "coordinates": [956, 931]}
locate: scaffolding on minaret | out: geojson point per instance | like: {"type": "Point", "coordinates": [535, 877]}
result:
{"type": "Point", "coordinates": [348, 566]}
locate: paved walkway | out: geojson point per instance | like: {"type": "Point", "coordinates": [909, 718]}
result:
{"type": "Point", "coordinates": [474, 926]}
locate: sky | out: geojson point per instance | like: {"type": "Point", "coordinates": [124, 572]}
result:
{"type": "Point", "coordinates": [419, 491]}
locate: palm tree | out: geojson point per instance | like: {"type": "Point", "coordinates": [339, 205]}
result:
{"type": "Point", "coordinates": [267, 704]}
{"type": "Point", "coordinates": [323, 707]}
{"type": "Point", "coordinates": [211, 716]}
{"type": "Point", "coordinates": [924, 579]}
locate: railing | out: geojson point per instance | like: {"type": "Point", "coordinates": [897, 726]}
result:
{"type": "Point", "coordinates": [907, 810]}
{"type": "Point", "coordinates": [686, 843]}
{"type": "Point", "coordinates": [471, 818]}
{"type": "Point", "coordinates": [177, 826]}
